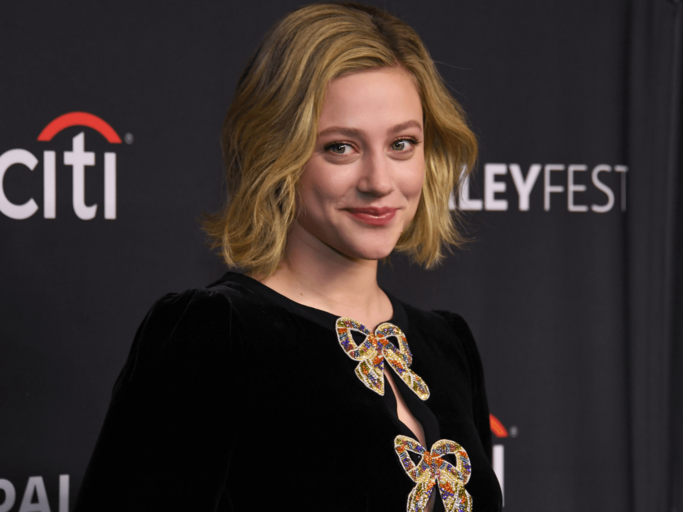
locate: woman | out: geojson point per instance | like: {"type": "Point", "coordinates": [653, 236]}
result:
{"type": "Point", "coordinates": [265, 389]}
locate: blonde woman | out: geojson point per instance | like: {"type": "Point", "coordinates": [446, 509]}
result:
{"type": "Point", "coordinates": [300, 384]}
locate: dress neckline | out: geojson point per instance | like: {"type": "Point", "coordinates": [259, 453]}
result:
{"type": "Point", "coordinates": [419, 409]}
{"type": "Point", "coordinates": [318, 316]}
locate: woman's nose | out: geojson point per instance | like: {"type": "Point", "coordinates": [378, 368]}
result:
{"type": "Point", "coordinates": [376, 178]}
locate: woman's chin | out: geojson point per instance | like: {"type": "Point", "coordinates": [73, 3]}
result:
{"type": "Point", "coordinates": [361, 246]}
{"type": "Point", "coordinates": [376, 249]}
{"type": "Point", "coordinates": [368, 253]}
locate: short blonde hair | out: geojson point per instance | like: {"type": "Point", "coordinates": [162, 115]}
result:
{"type": "Point", "coordinates": [270, 130]}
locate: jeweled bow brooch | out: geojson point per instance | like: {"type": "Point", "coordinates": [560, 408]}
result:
{"type": "Point", "coordinates": [374, 350]}
{"type": "Point", "coordinates": [433, 470]}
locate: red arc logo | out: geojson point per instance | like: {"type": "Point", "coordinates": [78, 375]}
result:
{"type": "Point", "coordinates": [79, 119]}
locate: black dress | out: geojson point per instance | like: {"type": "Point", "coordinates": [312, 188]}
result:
{"type": "Point", "coordinates": [235, 398]}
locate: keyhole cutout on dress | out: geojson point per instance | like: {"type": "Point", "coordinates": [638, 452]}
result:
{"type": "Point", "coordinates": [411, 422]}
{"type": "Point", "coordinates": [404, 413]}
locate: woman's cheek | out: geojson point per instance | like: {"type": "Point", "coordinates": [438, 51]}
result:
{"type": "Point", "coordinates": [415, 186]}
{"type": "Point", "coordinates": [413, 192]}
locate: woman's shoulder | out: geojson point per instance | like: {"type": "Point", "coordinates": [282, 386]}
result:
{"type": "Point", "coordinates": [443, 327]}
{"type": "Point", "coordinates": [214, 303]}
{"type": "Point", "coordinates": [192, 328]}
{"type": "Point", "coordinates": [198, 316]}
{"type": "Point", "coordinates": [439, 320]}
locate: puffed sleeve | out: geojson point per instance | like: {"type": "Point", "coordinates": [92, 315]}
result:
{"type": "Point", "coordinates": [480, 406]}
{"type": "Point", "coordinates": [174, 414]}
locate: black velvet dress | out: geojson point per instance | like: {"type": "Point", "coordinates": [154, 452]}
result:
{"type": "Point", "coordinates": [235, 398]}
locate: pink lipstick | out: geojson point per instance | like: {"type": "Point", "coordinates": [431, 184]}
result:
{"type": "Point", "coordinates": [373, 216]}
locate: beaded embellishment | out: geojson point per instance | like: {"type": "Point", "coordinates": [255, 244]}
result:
{"type": "Point", "coordinates": [433, 470]}
{"type": "Point", "coordinates": [375, 349]}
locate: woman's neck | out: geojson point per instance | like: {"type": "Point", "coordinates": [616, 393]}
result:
{"type": "Point", "coordinates": [322, 278]}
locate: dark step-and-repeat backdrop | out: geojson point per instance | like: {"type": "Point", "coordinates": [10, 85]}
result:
{"type": "Point", "coordinates": [110, 114]}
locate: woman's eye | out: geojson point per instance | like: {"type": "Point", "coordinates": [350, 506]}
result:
{"type": "Point", "coordinates": [339, 148]}
{"type": "Point", "coordinates": [402, 144]}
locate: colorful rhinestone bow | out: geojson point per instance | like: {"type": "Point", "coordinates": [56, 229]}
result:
{"type": "Point", "coordinates": [432, 469]}
{"type": "Point", "coordinates": [374, 350]}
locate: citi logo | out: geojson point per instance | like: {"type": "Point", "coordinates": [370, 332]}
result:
{"type": "Point", "coordinates": [78, 158]}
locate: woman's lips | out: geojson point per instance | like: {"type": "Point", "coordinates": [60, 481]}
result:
{"type": "Point", "coordinates": [373, 216]}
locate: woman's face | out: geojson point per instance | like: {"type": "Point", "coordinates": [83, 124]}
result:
{"type": "Point", "coordinates": [361, 187]}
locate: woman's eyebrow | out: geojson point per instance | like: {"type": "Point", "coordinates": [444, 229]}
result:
{"type": "Point", "coordinates": [355, 132]}
{"type": "Point", "coordinates": [407, 124]}
{"type": "Point", "coordinates": [350, 132]}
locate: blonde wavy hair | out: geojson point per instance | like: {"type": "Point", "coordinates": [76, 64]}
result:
{"type": "Point", "coordinates": [270, 131]}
